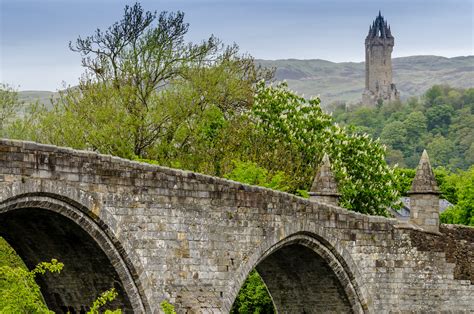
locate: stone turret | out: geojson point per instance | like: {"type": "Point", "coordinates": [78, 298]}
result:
{"type": "Point", "coordinates": [424, 197]}
{"type": "Point", "coordinates": [324, 188]}
{"type": "Point", "coordinates": [378, 64]}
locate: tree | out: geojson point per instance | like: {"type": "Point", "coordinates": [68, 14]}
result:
{"type": "Point", "coordinates": [131, 61]}
{"type": "Point", "coordinates": [291, 134]}
{"type": "Point", "coordinates": [394, 157]}
{"type": "Point", "coordinates": [253, 297]}
{"type": "Point", "coordinates": [147, 94]}
{"type": "Point", "coordinates": [433, 93]}
{"type": "Point", "coordinates": [8, 106]}
{"type": "Point", "coordinates": [285, 133]}
{"type": "Point", "coordinates": [250, 173]}
{"type": "Point", "coordinates": [439, 118]}
{"type": "Point", "coordinates": [441, 150]}
{"type": "Point", "coordinates": [19, 291]}
{"type": "Point", "coordinates": [411, 126]}
{"type": "Point", "coordinates": [394, 134]}
{"type": "Point", "coordinates": [463, 211]}
{"type": "Point", "coordinates": [415, 124]}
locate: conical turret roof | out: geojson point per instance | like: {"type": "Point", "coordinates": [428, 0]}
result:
{"type": "Point", "coordinates": [424, 181]}
{"type": "Point", "coordinates": [325, 182]}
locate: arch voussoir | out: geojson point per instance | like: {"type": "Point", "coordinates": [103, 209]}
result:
{"type": "Point", "coordinates": [337, 259]}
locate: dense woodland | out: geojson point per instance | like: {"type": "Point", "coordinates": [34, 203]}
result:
{"type": "Point", "coordinates": [148, 95]}
{"type": "Point", "coordinates": [440, 121]}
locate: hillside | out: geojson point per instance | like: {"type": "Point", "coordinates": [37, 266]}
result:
{"type": "Point", "coordinates": [345, 81]}
{"type": "Point", "coordinates": [30, 97]}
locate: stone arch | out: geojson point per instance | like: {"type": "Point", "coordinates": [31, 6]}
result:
{"type": "Point", "coordinates": [315, 251]}
{"type": "Point", "coordinates": [30, 223]}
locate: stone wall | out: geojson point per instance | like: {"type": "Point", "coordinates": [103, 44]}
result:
{"type": "Point", "coordinates": [192, 239]}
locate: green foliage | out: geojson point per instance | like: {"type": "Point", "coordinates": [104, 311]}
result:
{"type": "Point", "coordinates": [291, 134]}
{"type": "Point", "coordinates": [440, 122]}
{"type": "Point", "coordinates": [107, 296]}
{"type": "Point", "coordinates": [394, 134]}
{"type": "Point", "coordinates": [167, 307]}
{"type": "Point", "coordinates": [405, 178]}
{"type": "Point", "coordinates": [9, 105]}
{"type": "Point", "coordinates": [250, 173]}
{"type": "Point", "coordinates": [460, 187]}
{"type": "Point", "coordinates": [147, 94]}
{"type": "Point", "coordinates": [253, 297]}
{"type": "Point", "coordinates": [19, 291]}
{"type": "Point", "coordinates": [8, 256]}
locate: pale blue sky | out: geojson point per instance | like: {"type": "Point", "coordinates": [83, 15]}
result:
{"type": "Point", "coordinates": [34, 34]}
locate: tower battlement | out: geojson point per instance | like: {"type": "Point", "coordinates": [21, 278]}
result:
{"type": "Point", "coordinates": [378, 63]}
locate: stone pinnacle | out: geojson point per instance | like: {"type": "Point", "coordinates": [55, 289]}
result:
{"type": "Point", "coordinates": [424, 181]}
{"type": "Point", "coordinates": [325, 183]}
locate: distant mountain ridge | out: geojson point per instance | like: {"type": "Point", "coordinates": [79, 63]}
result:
{"type": "Point", "coordinates": [345, 81]}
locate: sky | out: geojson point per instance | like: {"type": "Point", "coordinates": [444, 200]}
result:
{"type": "Point", "coordinates": [34, 34]}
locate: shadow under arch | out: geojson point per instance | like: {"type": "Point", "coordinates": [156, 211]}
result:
{"type": "Point", "coordinates": [41, 226]}
{"type": "Point", "coordinates": [305, 274]}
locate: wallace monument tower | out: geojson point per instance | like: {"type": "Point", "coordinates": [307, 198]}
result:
{"type": "Point", "coordinates": [378, 64]}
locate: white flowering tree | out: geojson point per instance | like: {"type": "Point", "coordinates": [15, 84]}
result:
{"type": "Point", "coordinates": [291, 134]}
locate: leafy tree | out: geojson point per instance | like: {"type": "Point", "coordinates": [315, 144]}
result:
{"type": "Point", "coordinates": [411, 126]}
{"type": "Point", "coordinates": [433, 93]}
{"type": "Point", "coordinates": [439, 117]}
{"type": "Point", "coordinates": [19, 291]}
{"type": "Point", "coordinates": [8, 106]}
{"type": "Point", "coordinates": [441, 150]}
{"type": "Point", "coordinates": [463, 186]}
{"type": "Point", "coordinates": [286, 133]}
{"type": "Point", "coordinates": [250, 173]}
{"type": "Point", "coordinates": [128, 63]}
{"type": "Point", "coordinates": [146, 92]}
{"type": "Point", "coordinates": [253, 297]}
{"type": "Point", "coordinates": [365, 117]}
{"type": "Point", "coordinates": [394, 157]}
{"type": "Point", "coordinates": [415, 125]}
{"type": "Point", "coordinates": [394, 134]}
{"type": "Point", "coordinates": [8, 256]}
{"type": "Point", "coordinates": [291, 134]}
{"type": "Point", "coordinates": [461, 132]}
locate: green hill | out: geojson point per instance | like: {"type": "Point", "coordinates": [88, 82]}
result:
{"type": "Point", "coordinates": [345, 81]}
{"type": "Point", "coordinates": [31, 96]}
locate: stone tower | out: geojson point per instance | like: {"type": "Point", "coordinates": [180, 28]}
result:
{"type": "Point", "coordinates": [378, 64]}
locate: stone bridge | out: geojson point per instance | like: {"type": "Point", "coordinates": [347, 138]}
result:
{"type": "Point", "coordinates": [159, 234]}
